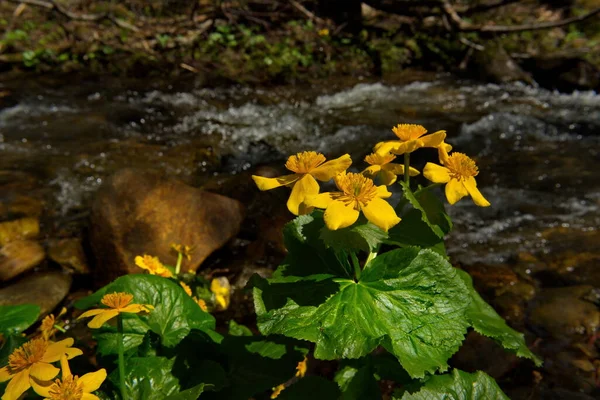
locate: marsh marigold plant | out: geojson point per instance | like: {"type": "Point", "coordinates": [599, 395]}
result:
{"type": "Point", "coordinates": [31, 364]}
{"type": "Point", "coordinates": [116, 303]}
{"type": "Point", "coordinates": [307, 166]}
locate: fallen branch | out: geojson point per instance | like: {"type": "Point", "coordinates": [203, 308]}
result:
{"type": "Point", "coordinates": [304, 11]}
{"type": "Point", "coordinates": [464, 26]}
{"type": "Point", "coordinates": [53, 6]}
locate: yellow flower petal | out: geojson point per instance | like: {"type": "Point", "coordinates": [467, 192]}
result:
{"type": "Point", "coordinates": [371, 171]}
{"type": "Point", "coordinates": [338, 215]}
{"type": "Point", "coordinates": [100, 319]}
{"type": "Point", "coordinates": [271, 183]}
{"type": "Point", "coordinates": [475, 194]}
{"type": "Point", "coordinates": [321, 200]}
{"type": "Point", "coordinates": [4, 374]}
{"type": "Point", "coordinates": [436, 173]}
{"type": "Point", "coordinates": [56, 349]}
{"type": "Point", "coordinates": [306, 186]}
{"type": "Point", "coordinates": [91, 313]}
{"type": "Point", "coordinates": [434, 139]}
{"type": "Point", "coordinates": [92, 381]}
{"type": "Point", "coordinates": [455, 191]}
{"type": "Point", "coordinates": [387, 177]}
{"type": "Point", "coordinates": [383, 192]}
{"type": "Point", "coordinates": [328, 170]}
{"type": "Point", "coordinates": [89, 396]}
{"type": "Point", "coordinates": [17, 386]}
{"type": "Point", "coordinates": [42, 388]}
{"type": "Point", "coordinates": [136, 308]}
{"type": "Point", "coordinates": [380, 213]}
{"type": "Point", "coordinates": [43, 371]}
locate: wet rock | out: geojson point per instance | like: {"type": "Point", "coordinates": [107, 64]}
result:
{"type": "Point", "coordinates": [495, 278]}
{"type": "Point", "coordinates": [69, 254]}
{"type": "Point", "coordinates": [19, 256]}
{"type": "Point", "coordinates": [563, 72]}
{"type": "Point", "coordinates": [565, 312]}
{"type": "Point", "coordinates": [136, 213]}
{"type": "Point", "coordinates": [46, 289]}
{"type": "Point", "coordinates": [24, 228]}
{"type": "Point", "coordinates": [20, 206]}
{"type": "Point", "coordinates": [495, 64]}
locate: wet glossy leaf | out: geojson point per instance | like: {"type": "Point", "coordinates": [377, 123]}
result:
{"type": "Point", "coordinates": [363, 235]}
{"type": "Point", "coordinates": [189, 394]}
{"type": "Point", "coordinates": [174, 316]}
{"type": "Point", "coordinates": [432, 210]}
{"type": "Point", "coordinates": [487, 322]}
{"type": "Point", "coordinates": [236, 329]}
{"type": "Point", "coordinates": [148, 378]}
{"type": "Point", "coordinates": [458, 385]}
{"type": "Point", "coordinates": [357, 382]}
{"type": "Point", "coordinates": [15, 319]}
{"type": "Point", "coordinates": [411, 301]}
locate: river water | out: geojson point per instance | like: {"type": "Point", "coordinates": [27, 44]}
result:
{"type": "Point", "coordinates": [538, 153]}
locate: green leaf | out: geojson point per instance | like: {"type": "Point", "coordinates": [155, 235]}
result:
{"type": "Point", "coordinates": [311, 387]}
{"type": "Point", "coordinates": [363, 236]}
{"type": "Point", "coordinates": [487, 322]}
{"type": "Point", "coordinates": [459, 385]}
{"type": "Point", "coordinates": [249, 365]}
{"type": "Point", "coordinates": [148, 378]}
{"type": "Point", "coordinates": [174, 316]}
{"type": "Point", "coordinates": [431, 208]}
{"type": "Point", "coordinates": [413, 231]}
{"type": "Point", "coordinates": [357, 382]}
{"type": "Point", "coordinates": [409, 300]}
{"type": "Point", "coordinates": [236, 329]}
{"type": "Point", "coordinates": [307, 254]}
{"type": "Point", "coordinates": [189, 394]}
{"type": "Point", "coordinates": [15, 319]}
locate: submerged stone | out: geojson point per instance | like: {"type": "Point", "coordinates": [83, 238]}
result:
{"type": "Point", "coordinates": [69, 254]}
{"type": "Point", "coordinates": [45, 289]}
{"type": "Point", "coordinates": [24, 228]}
{"type": "Point", "coordinates": [18, 257]}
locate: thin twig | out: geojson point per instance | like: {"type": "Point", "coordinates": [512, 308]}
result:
{"type": "Point", "coordinates": [53, 6]}
{"type": "Point", "coordinates": [464, 26]}
{"type": "Point", "coordinates": [304, 11]}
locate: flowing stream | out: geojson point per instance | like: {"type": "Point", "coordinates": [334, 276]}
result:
{"type": "Point", "coordinates": [538, 151]}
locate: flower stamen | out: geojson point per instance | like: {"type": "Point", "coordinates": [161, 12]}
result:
{"type": "Point", "coordinates": [117, 300]}
{"type": "Point", "coordinates": [461, 166]}
{"type": "Point", "coordinates": [67, 389]}
{"type": "Point", "coordinates": [303, 163]}
{"type": "Point", "coordinates": [27, 355]}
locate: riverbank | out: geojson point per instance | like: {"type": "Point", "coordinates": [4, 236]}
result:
{"type": "Point", "coordinates": [286, 44]}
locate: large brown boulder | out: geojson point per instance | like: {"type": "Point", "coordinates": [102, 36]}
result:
{"type": "Point", "coordinates": [136, 213]}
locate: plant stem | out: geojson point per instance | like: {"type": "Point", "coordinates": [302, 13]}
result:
{"type": "Point", "coordinates": [356, 266]}
{"type": "Point", "coordinates": [121, 358]}
{"type": "Point", "coordinates": [407, 168]}
{"type": "Point", "coordinates": [178, 266]}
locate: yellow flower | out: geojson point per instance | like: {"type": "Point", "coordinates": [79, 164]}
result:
{"type": "Point", "coordinates": [307, 167]}
{"type": "Point", "coordinates": [47, 327]}
{"type": "Point", "coordinates": [458, 173]}
{"type": "Point", "coordinates": [358, 193]}
{"type": "Point", "coordinates": [202, 304]}
{"type": "Point", "coordinates": [117, 303]}
{"type": "Point", "coordinates": [383, 168]}
{"type": "Point", "coordinates": [153, 265]}
{"type": "Point", "coordinates": [222, 292]}
{"type": "Point", "coordinates": [32, 362]}
{"type": "Point", "coordinates": [301, 368]}
{"type": "Point", "coordinates": [323, 32]}
{"type": "Point", "coordinates": [71, 387]}
{"type": "Point", "coordinates": [277, 391]}
{"type": "Point", "coordinates": [185, 287]}
{"type": "Point", "coordinates": [184, 250]}
{"type": "Point", "coordinates": [411, 139]}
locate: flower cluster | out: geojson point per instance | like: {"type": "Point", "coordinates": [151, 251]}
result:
{"type": "Point", "coordinates": [358, 191]}
{"type": "Point", "coordinates": [30, 366]}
